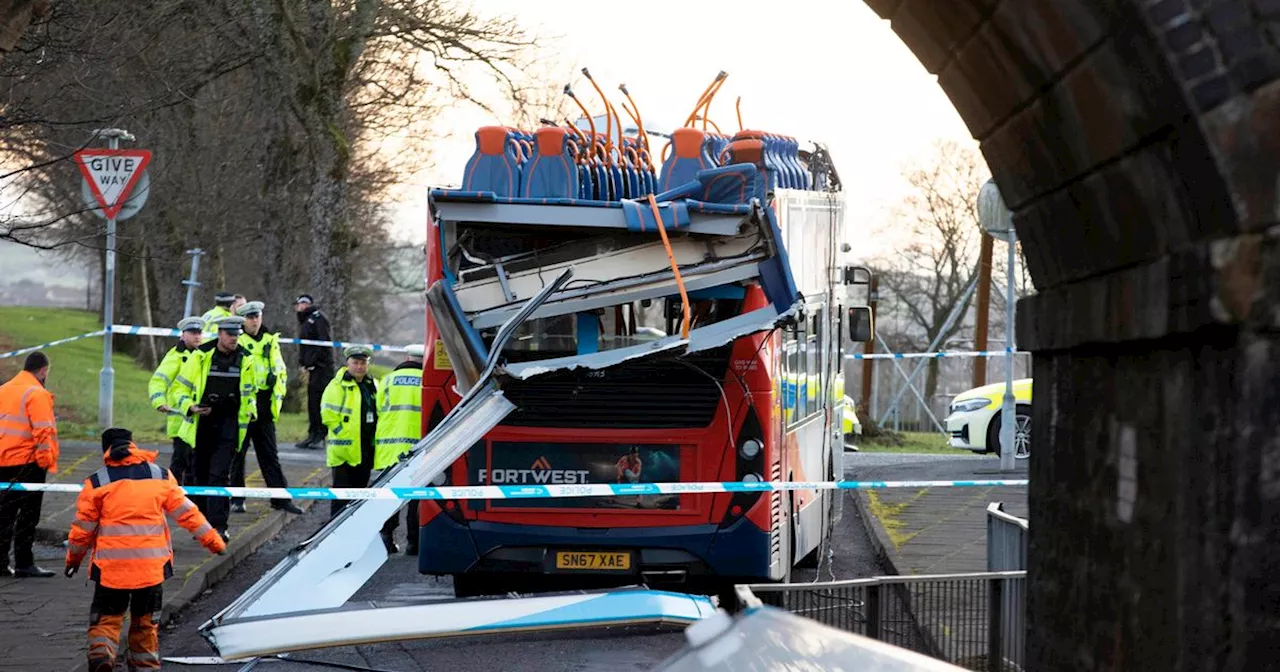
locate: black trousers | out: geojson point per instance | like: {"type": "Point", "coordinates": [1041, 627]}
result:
{"type": "Point", "coordinates": [262, 433]}
{"type": "Point", "coordinates": [317, 380]}
{"type": "Point", "coordinates": [183, 463]}
{"type": "Point", "coordinates": [115, 601]}
{"type": "Point", "coordinates": [215, 450]}
{"type": "Point", "coordinates": [19, 514]}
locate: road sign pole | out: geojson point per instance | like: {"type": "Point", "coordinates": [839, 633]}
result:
{"type": "Point", "coordinates": [107, 378]}
{"type": "Point", "coordinates": [116, 179]}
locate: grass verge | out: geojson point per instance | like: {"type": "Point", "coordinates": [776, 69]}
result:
{"type": "Point", "coordinates": [907, 442]}
{"type": "Point", "coordinates": [73, 375]}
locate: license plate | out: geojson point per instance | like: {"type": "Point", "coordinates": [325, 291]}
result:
{"type": "Point", "coordinates": [591, 561]}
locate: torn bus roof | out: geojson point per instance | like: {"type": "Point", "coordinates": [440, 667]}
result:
{"type": "Point", "coordinates": [371, 623]}
{"type": "Point", "coordinates": [324, 571]}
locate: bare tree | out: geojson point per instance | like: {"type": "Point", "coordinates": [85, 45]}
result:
{"type": "Point", "coordinates": [926, 280]}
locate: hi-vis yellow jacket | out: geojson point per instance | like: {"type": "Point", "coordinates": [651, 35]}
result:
{"type": "Point", "coordinates": [162, 382]}
{"type": "Point", "coordinates": [342, 410]}
{"type": "Point", "coordinates": [275, 375]}
{"type": "Point", "coordinates": [400, 409]}
{"type": "Point", "coordinates": [188, 388]}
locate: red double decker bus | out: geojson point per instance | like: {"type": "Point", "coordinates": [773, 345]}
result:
{"type": "Point", "coordinates": [752, 405]}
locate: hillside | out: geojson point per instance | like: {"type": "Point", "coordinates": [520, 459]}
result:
{"type": "Point", "coordinates": [73, 375]}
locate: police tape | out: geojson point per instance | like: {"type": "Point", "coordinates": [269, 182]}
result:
{"type": "Point", "coordinates": [60, 341]}
{"type": "Point", "coordinates": [135, 330]}
{"type": "Point", "coordinates": [938, 355]}
{"type": "Point", "coordinates": [549, 491]}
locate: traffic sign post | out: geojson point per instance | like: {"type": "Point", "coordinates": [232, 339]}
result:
{"type": "Point", "coordinates": [118, 183]}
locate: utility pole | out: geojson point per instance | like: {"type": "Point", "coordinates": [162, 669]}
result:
{"type": "Point", "coordinates": [191, 282]}
{"type": "Point", "coordinates": [984, 311]}
{"type": "Point", "coordinates": [868, 348]}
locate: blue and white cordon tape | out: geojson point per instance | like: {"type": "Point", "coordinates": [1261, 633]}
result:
{"type": "Point", "coordinates": [135, 330]}
{"type": "Point", "coordinates": [541, 491]}
{"type": "Point", "coordinates": [23, 351]}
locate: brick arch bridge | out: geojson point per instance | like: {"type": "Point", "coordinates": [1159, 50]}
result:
{"type": "Point", "coordinates": [1138, 144]}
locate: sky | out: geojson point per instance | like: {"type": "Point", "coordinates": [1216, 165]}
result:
{"type": "Point", "coordinates": [825, 70]}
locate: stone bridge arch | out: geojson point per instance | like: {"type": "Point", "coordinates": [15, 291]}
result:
{"type": "Point", "coordinates": [1138, 144]}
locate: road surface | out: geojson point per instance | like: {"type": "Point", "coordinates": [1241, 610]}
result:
{"type": "Point", "coordinates": [613, 649]}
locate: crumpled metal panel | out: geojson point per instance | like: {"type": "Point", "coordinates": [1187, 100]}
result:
{"type": "Point", "coordinates": [372, 624]}
{"type": "Point", "coordinates": [327, 569]}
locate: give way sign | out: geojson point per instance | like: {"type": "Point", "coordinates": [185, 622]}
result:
{"type": "Point", "coordinates": [112, 174]}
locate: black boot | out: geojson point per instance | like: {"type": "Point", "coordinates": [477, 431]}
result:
{"type": "Point", "coordinates": [389, 543]}
{"type": "Point", "coordinates": [286, 506]}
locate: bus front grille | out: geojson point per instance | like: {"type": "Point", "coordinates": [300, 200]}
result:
{"type": "Point", "coordinates": [640, 395]}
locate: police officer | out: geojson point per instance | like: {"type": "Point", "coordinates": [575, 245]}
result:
{"type": "Point", "coordinates": [317, 361]}
{"type": "Point", "coordinates": [160, 389]}
{"type": "Point", "coordinates": [264, 347]}
{"type": "Point", "coordinates": [222, 302]}
{"type": "Point", "coordinates": [350, 412]}
{"type": "Point", "coordinates": [217, 397]}
{"type": "Point", "coordinates": [400, 425]}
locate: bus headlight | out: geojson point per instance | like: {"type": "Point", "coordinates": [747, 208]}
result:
{"type": "Point", "coordinates": [750, 449]}
{"type": "Point", "coordinates": [751, 478]}
{"type": "Point", "coordinates": [441, 478]}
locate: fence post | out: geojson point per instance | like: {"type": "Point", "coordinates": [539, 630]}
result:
{"type": "Point", "coordinates": [995, 625]}
{"type": "Point", "coordinates": [873, 611]}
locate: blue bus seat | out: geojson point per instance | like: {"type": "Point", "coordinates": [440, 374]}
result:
{"type": "Point", "coordinates": [689, 149]}
{"type": "Point", "coordinates": [552, 171]}
{"type": "Point", "coordinates": [495, 165]}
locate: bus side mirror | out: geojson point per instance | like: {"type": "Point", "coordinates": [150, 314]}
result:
{"type": "Point", "coordinates": [861, 324]}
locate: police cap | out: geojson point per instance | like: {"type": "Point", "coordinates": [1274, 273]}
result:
{"type": "Point", "coordinates": [414, 351]}
{"type": "Point", "coordinates": [224, 297]}
{"type": "Point", "coordinates": [357, 351]}
{"type": "Point", "coordinates": [231, 325]}
{"type": "Point", "coordinates": [191, 324]}
{"type": "Point", "coordinates": [303, 298]}
{"type": "Point", "coordinates": [250, 309]}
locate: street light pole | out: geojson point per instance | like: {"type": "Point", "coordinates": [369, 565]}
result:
{"type": "Point", "coordinates": [997, 222]}
{"type": "Point", "coordinates": [1009, 413]}
{"type": "Point", "coordinates": [192, 283]}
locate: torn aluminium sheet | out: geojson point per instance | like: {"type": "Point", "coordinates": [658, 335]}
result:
{"type": "Point", "coordinates": [370, 623]}
{"type": "Point", "coordinates": [327, 569]}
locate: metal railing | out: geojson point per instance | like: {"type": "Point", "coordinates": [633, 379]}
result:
{"type": "Point", "coordinates": [958, 618]}
{"type": "Point", "coordinates": [1007, 552]}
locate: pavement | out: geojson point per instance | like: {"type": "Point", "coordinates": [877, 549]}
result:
{"type": "Point", "coordinates": [937, 531]}
{"type": "Point", "coordinates": [45, 620]}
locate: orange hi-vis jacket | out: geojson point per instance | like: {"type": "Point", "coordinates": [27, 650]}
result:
{"type": "Point", "coordinates": [120, 516]}
{"type": "Point", "coordinates": [28, 432]}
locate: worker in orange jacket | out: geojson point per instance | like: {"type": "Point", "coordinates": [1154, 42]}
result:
{"type": "Point", "coordinates": [28, 451]}
{"type": "Point", "coordinates": [120, 516]}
